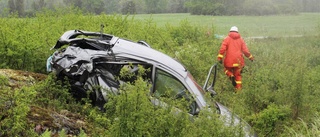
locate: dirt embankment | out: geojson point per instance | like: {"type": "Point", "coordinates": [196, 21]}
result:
{"type": "Point", "coordinates": [19, 78]}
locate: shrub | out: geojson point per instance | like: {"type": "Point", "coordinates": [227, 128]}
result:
{"type": "Point", "coordinates": [14, 114]}
{"type": "Point", "coordinates": [272, 120]}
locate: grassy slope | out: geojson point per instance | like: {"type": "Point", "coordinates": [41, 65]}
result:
{"type": "Point", "coordinates": [302, 24]}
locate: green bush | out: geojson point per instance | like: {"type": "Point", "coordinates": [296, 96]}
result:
{"type": "Point", "coordinates": [14, 112]}
{"type": "Point", "coordinates": [272, 120]}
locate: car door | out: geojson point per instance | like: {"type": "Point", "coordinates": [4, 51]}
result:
{"type": "Point", "coordinates": [168, 86]}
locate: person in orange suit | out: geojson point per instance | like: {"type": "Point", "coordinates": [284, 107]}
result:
{"type": "Point", "coordinates": [233, 48]}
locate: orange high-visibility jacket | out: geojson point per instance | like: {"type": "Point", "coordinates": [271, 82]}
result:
{"type": "Point", "coordinates": [233, 47]}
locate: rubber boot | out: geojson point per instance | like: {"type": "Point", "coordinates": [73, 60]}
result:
{"type": "Point", "coordinates": [233, 81]}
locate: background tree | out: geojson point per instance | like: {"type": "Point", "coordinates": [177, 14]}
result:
{"type": "Point", "coordinates": [155, 6]}
{"type": "Point", "coordinates": [129, 7]}
{"type": "Point", "coordinates": [76, 3]}
{"type": "Point", "coordinates": [176, 6]}
{"type": "Point", "coordinates": [233, 7]}
{"type": "Point", "coordinates": [38, 4]}
{"type": "Point", "coordinates": [206, 7]}
{"type": "Point", "coordinates": [12, 6]}
{"type": "Point", "coordinates": [259, 7]}
{"type": "Point", "coordinates": [50, 4]}
{"type": "Point", "coordinates": [112, 6]}
{"type": "Point", "coordinates": [94, 6]}
{"type": "Point", "coordinates": [311, 6]}
{"type": "Point", "coordinates": [4, 7]}
{"type": "Point", "coordinates": [16, 6]}
{"type": "Point", "coordinates": [244, 7]}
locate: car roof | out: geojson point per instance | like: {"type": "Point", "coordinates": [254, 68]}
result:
{"type": "Point", "coordinates": [124, 48]}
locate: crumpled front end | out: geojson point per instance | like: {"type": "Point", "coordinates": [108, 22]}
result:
{"type": "Point", "coordinates": [86, 74]}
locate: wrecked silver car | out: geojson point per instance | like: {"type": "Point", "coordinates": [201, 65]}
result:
{"type": "Point", "coordinates": [91, 59]}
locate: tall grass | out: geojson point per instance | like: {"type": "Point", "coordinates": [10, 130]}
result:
{"type": "Point", "coordinates": [306, 129]}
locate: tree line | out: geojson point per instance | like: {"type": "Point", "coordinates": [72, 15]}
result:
{"type": "Point", "coordinates": [251, 7]}
{"type": "Point", "coordinates": [196, 7]}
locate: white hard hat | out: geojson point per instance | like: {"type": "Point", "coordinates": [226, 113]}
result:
{"type": "Point", "coordinates": [234, 28]}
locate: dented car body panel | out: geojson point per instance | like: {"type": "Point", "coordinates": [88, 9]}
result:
{"type": "Point", "coordinates": [94, 59]}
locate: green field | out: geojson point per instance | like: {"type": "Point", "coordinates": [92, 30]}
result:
{"type": "Point", "coordinates": [291, 25]}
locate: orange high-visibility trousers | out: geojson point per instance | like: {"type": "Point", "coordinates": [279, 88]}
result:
{"type": "Point", "coordinates": [236, 72]}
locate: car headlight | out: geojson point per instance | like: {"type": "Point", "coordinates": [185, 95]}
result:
{"type": "Point", "coordinates": [49, 68]}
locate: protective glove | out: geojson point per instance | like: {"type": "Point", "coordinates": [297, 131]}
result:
{"type": "Point", "coordinates": [220, 56]}
{"type": "Point", "coordinates": [220, 61]}
{"type": "Point", "coordinates": [251, 58]}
